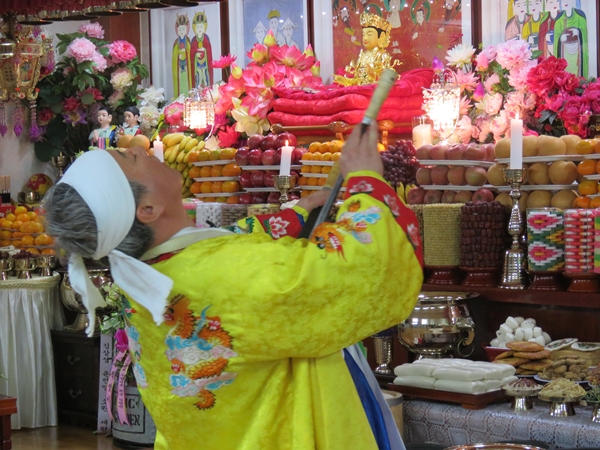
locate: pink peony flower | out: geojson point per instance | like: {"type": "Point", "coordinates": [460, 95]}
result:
{"type": "Point", "coordinates": [99, 62]}
{"type": "Point", "coordinates": [491, 103]}
{"type": "Point", "coordinates": [92, 29]}
{"type": "Point", "coordinates": [541, 79]}
{"type": "Point", "coordinates": [490, 82]}
{"type": "Point", "coordinates": [512, 53]}
{"type": "Point", "coordinates": [517, 77]}
{"type": "Point", "coordinates": [174, 114]}
{"type": "Point", "coordinates": [482, 62]}
{"type": "Point", "coordinates": [567, 81]}
{"type": "Point", "coordinates": [499, 126]}
{"type": "Point", "coordinates": [121, 78]}
{"type": "Point", "coordinates": [115, 98]}
{"type": "Point", "coordinates": [81, 49]}
{"type": "Point", "coordinates": [71, 104]}
{"type": "Point", "coordinates": [122, 51]}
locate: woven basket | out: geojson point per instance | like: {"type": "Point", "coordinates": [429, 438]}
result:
{"type": "Point", "coordinates": [230, 214]}
{"type": "Point", "coordinates": [441, 234]}
{"type": "Point", "coordinates": [209, 212]}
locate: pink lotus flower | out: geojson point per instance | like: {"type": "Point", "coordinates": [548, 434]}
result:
{"type": "Point", "coordinates": [234, 88]}
{"type": "Point", "coordinates": [71, 104]}
{"type": "Point", "coordinates": [228, 137]}
{"type": "Point", "coordinates": [466, 80]}
{"type": "Point", "coordinates": [482, 62]}
{"type": "Point", "coordinates": [258, 105]}
{"type": "Point", "coordinates": [315, 70]}
{"type": "Point", "coordinates": [174, 114]}
{"type": "Point", "coordinates": [224, 61]}
{"type": "Point", "coordinates": [291, 57]}
{"type": "Point", "coordinates": [258, 54]}
{"type": "Point", "coordinates": [269, 40]}
{"type": "Point", "coordinates": [74, 117]}
{"type": "Point", "coordinates": [81, 49]}
{"type": "Point", "coordinates": [437, 65]}
{"type": "Point", "coordinates": [95, 93]}
{"type": "Point", "coordinates": [479, 92]}
{"type": "Point", "coordinates": [122, 51]}
{"type": "Point", "coordinates": [236, 72]}
{"type": "Point", "coordinates": [92, 29]}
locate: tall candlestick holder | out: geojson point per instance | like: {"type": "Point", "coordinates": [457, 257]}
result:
{"type": "Point", "coordinates": [514, 275]}
{"type": "Point", "coordinates": [284, 183]}
{"type": "Point", "coordinates": [382, 345]}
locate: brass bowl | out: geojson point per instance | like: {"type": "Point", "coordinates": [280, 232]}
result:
{"type": "Point", "coordinates": [6, 264]}
{"type": "Point", "coordinates": [24, 264]}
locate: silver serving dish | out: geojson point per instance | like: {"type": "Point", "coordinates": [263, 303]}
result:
{"type": "Point", "coordinates": [521, 398]}
{"type": "Point", "coordinates": [560, 406]}
{"type": "Point", "coordinates": [440, 325]}
{"type": "Point", "coordinates": [46, 263]}
{"type": "Point", "coordinates": [494, 447]}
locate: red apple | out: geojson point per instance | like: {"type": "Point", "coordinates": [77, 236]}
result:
{"type": "Point", "coordinates": [463, 197]}
{"type": "Point", "coordinates": [297, 154]}
{"type": "Point", "coordinates": [415, 196]}
{"type": "Point", "coordinates": [455, 152]}
{"type": "Point", "coordinates": [423, 151]}
{"type": "Point", "coordinates": [295, 175]}
{"type": "Point", "coordinates": [277, 158]}
{"type": "Point", "coordinates": [448, 197]}
{"type": "Point", "coordinates": [268, 157]}
{"type": "Point", "coordinates": [255, 141]}
{"type": "Point", "coordinates": [474, 152]}
{"type": "Point", "coordinates": [439, 175]}
{"type": "Point", "coordinates": [475, 176]}
{"type": "Point", "coordinates": [255, 157]}
{"type": "Point", "coordinates": [423, 176]}
{"type": "Point", "coordinates": [246, 199]}
{"type": "Point", "coordinates": [489, 152]}
{"type": "Point", "coordinates": [456, 176]}
{"type": "Point", "coordinates": [483, 195]}
{"type": "Point", "coordinates": [293, 196]}
{"type": "Point", "coordinates": [258, 178]}
{"type": "Point", "coordinates": [269, 142]}
{"type": "Point", "coordinates": [259, 197]}
{"type": "Point", "coordinates": [241, 156]}
{"type": "Point", "coordinates": [268, 178]}
{"type": "Point", "coordinates": [432, 197]}
{"type": "Point", "coordinates": [286, 137]}
{"type": "Point", "coordinates": [438, 151]}
{"type": "Point", "coordinates": [273, 197]}
{"type": "Point", "coordinates": [246, 180]}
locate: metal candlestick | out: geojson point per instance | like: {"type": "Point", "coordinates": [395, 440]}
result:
{"type": "Point", "coordinates": [514, 275]}
{"type": "Point", "coordinates": [383, 354]}
{"type": "Point", "coordinates": [284, 183]}
{"type": "Point", "coordinates": [60, 162]}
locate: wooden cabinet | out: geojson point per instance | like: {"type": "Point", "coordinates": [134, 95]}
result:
{"type": "Point", "coordinates": [76, 365]}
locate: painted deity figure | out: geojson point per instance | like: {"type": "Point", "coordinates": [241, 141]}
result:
{"type": "Point", "coordinates": [373, 58]}
{"type": "Point", "coordinates": [514, 26]}
{"type": "Point", "coordinates": [131, 125]}
{"type": "Point", "coordinates": [531, 30]}
{"type": "Point", "coordinates": [105, 135]}
{"type": "Point", "coordinates": [287, 29]}
{"type": "Point", "coordinates": [273, 18]}
{"type": "Point", "coordinates": [260, 32]}
{"type": "Point", "coordinates": [571, 38]}
{"type": "Point", "coordinates": [451, 9]}
{"type": "Point", "coordinates": [181, 60]}
{"type": "Point", "coordinates": [394, 7]}
{"type": "Point", "coordinates": [201, 52]}
{"type": "Point", "coordinates": [546, 35]}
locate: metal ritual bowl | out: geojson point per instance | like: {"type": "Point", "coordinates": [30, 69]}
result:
{"type": "Point", "coordinates": [72, 300]}
{"type": "Point", "coordinates": [6, 265]}
{"type": "Point", "coordinates": [24, 266]}
{"type": "Point", "coordinates": [46, 263]}
{"type": "Point", "coordinates": [439, 325]}
{"type": "Point", "coordinates": [560, 406]}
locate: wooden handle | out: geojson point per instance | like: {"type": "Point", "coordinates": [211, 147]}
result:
{"type": "Point", "coordinates": [386, 81]}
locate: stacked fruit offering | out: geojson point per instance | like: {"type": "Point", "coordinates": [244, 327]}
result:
{"type": "Point", "coordinates": [260, 161]}
{"type": "Point", "coordinates": [317, 163]}
{"type": "Point", "coordinates": [589, 170]}
{"type": "Point", "coordinates": [24, 229]}
{"type": "Point", "coordinates": [216, 176]}
{"type": "Point", "coordinates": [180, 152]}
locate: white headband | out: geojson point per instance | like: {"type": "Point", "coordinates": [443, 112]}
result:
{"type": "Point", "coordinates": [101, 183]}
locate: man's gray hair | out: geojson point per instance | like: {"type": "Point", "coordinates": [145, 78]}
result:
{"type": "Point", "coordinates": [72, 224]}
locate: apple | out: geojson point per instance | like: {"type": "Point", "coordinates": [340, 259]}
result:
{"type": "Point", "coordinates": [423, 176]}
{"type": "Point", "coordinates": [423, 151]}
{"type": "Point", "coordinates": [432, 197]}
{"type": "Point", "coordinates": [268, 178]}
{"type": "Point", "coordinates": [246, 180]}
{"type": "Point", "coordinates": [439, 175]}
{"type": "Point", "coordinates": [255, 141]}
{"type": "Point", "coordinates": [456, 152]}
{"type": "Point", "coordinates": [241, 156]}
{"type": "Point", "coordinates": [259, 197]}
{"type": "Point", "coordinates": [255, 157]}
{"type": "Point", "coordinates": [456, 176]}
{"type": "Point", "coordinates": [286, 137]}
{"type": "Point", "coordinates": [448, 197]}
{"type": "Point", "coordinates": [438, 151]}
{"type": "Point", "coordinates": [258, 178]}
{"type": "Point", "coordinates": [246, 199]}
{"type": "Point", "coordinates": [483, 195]}
{"type": "Point", "coordinates": [490, 154]}
{"type": "Point", "coordinates": [475, 176]}
{"type": "Point", "coordinates": [277, 158]}
{"type": "Point", "coordinates": [293, 196]}
{"type": "Point", "coordinates": [269, 142]}
{"type": "Point", "coordinates": [415, 196]}
{"type": "Point", "coordinates": [475, 153]}
{"type": "Point", "coordinates": [463, 197]}
{"type": "Point", "coordinates": [297, 154]}
{"type": "Point", "coordinates": [268, 157]}
{"type": "Point", "coordinates": [273, 197]}
{"type": "Point", "coordinates": [295, 175]}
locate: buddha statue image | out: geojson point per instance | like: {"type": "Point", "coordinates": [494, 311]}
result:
{"type": "Point", "coordinates": [373, 58]}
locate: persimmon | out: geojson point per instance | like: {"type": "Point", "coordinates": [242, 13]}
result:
{"type": "Point", "coordinates": [582, 202]}
{"type": "Point", "coordinates": [587, 167]}
{"type": "Point", "coordinates": [588, 187]}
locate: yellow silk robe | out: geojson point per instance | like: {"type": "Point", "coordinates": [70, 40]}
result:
{"type": "Point", "coordinates": [249, 355]}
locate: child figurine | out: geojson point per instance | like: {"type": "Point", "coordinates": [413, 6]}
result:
{"type": "Point", "coordinates": [104, 136]}
{"type": "Point", "coordinates": [132, 126]}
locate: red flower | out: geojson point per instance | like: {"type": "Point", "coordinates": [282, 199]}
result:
{"type": "Point", "coordinates": [44, 115]}
{"type": "Point", "coordinates": [71, 104]}
{"type": "Point", "coordinates": [542, 78]}
{"type": "Point", "coordinates": [567, 81]}
{"type": "Point", "coordinates": [228, 137]}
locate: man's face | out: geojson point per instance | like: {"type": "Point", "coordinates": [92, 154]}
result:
{"type": "Point", "coordinates": [274, 23]}
{"type": "Point", "coordinates": [553, 6]}
{"type": "Point", "coordinates": [288, 31]}
{"type": "Point", "coordinates": [520, 7]}
{"type": "Point", "coordinates": [104, 118]}
{"type": "Point", "coordinates": [535, 6]}
{"type": "Point", "coordinates": [181, 31]}
{"type": "Point", "coordinates": [345, 15]}
{"type": "Point", "coordinates": [370, 38]}
{"type": "Point", "coordinates": [260, 35]}
{"type": "Point", "coordinates": [420, 17]}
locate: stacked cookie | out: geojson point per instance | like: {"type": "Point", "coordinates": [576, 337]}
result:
{"type": "Point", "coordinates": [528, 358]}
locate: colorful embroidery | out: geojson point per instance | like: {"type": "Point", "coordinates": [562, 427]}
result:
{"type": "Point", "coordinates": [199, 350]}
{"type": "Point", "coordinates": [361, 188]}
{"type": "Point", "coordinates": [392, 202]}
{"type": "Point", "coordinates": [276, 227]}
{"type": "Point", "coordinates": [328, 237]}
{"type": "Point", "coordinates": [135, 349]}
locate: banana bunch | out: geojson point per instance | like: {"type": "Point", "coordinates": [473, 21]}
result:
{"type": "Point", "coordinates": [178, 148]}
{"type": "Point", "coordinates": [403, 190]}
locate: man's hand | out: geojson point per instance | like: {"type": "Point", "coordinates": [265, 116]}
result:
{"type": "Point", "coordinates": [317, 198]}
{"type": "Point", "coordinates": [360, 152]}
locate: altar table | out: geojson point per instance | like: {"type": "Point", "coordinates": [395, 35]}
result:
{"type": "Point", "coordinates": [450, 424]}
{"type": "Point", "coordinates": [29, 309]}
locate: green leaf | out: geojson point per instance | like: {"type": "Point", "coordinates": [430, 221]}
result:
{"type": "Point", "coordinates": [87, 99]}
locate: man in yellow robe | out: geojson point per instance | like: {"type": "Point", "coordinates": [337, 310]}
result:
{"type": "Point", "coordinates": [246, 351]}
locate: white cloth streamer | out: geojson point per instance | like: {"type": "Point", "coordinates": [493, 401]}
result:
{"type": "Point", "coordinates": [101, 183]}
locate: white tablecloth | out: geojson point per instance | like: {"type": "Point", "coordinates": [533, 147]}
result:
{"type": "Point", "coordinates": [29, 309]}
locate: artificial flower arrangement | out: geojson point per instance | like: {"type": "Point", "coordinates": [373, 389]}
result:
{"type": "Point", "coordinates": [508, 82]}
{"type": "Point", "coordinates": [92, 73]}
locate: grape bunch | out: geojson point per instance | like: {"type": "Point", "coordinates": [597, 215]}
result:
{"type": "Point", "coordinates": [400, 163]}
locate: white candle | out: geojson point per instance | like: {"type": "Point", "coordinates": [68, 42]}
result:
{"type": "Point", "coordinates": [159, 150]}
{"type": "Point", "coordinates": [286, 159]}
{"type": "Point", "coordinates": [516, 143]}
{"type": "Point", "coordinates": [422, 134]}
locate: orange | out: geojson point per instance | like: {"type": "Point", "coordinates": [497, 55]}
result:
{"type": "Point", "coordinates": [317, 156]}
{"type": "Point", "coordinates": [194, 157]}
{"type": "Point", "coordinates": [32, 250]}
{"type": "Point", "coordinates": [215, 155]}
{"type": "Point", "coordinates": [584, 147]}
{"type": "Point", "coordinates": [324, 147]}
{"type": "Point", "coordinates": [195, 172]}
{"type": "Point", "coordinates": [588, 187]}
{"type": "Point", "coordinates": [598, 167]}
{"type": "Point", "coordinates": [303, 181]}
{"type": "Point", "coordinates": [5, 242]}
{"type": "Point", "coordinates": [16, 243]}
{"type": "Point", "coordinates": [36, 227]}
{"type": "Point", "coordinates": [321, 181]}
{"type": "Point", "coordinates": [25, 228]}
{"type": "Point", "coordinates": [23, 217]}
{"type": "Point", "coordinates": [335, 156]}
{"type": "Point", "coordinates": [196, 188]}
{"type": "Point", "coordinates": [203, 155]}
{"type": "Point", "coordinates": [336, 146]}
{"type": "Point", "coordinates": [32, 215]}
{"type": "Point", "coordinates": [305, 169]}
{"type": "Point", "coordinates": [28, 240]}
{"type": "Point", "coordinates": [231, 186]}
{"type": "Point", "coordinates": [209, 199]}
{"type": "Point", "coordinates": [233, 200]}
{"type": "Point", "coordinates": [312, 181]}
{"type": "Point", "coordinates": [20, 210]}
{"type": "Point", "coordinates": [326, 156]}
{"type": "Point", "coordinates": [315, 169]}
{"type": "Point", "coordinates": [17, 225]}
{"type": "Point", "coordinates": [221, 200]}
{"type": "Point", "coordinates": [18, 235]}
{"type": "Point", "coordinates": [307, 156]}
{"type": "Point", "coordinates": [43, 239]}
{"type": "Point", "coordinates": [232, 170]}
{"type": "Point", "coordinates": [5, 223]}
{"type": "Point", "coordinates": [5, 234]}
{"type": "Point", "coordinates": [581, 202]}
{"type": "Point", "coordinates": [380, 147]}
{"type": "Point", "coordinates": [205, 171]}
{"type": "Point", "coordinates": [216, 186]}
{"type": "Point", "coordinates": [314, 147]}
{"type": "Point", "coordinates": [595, 202]}
{"type": "Point", "coordinates": [227, 153]}
{"type": "Point", "coordinates": [587, 167]}
{"type": "Point", "coordinates": [326, 169]}
{"type": "Point", "coordinates": [305, 194]}
{"type": "Point", "coordinates": [48, 251]}
{"type": "Point", "coordinates": [11, 217]}
{"type": "Point", "coordinates": [206, 187]}
{"type": "Point", "coordinates": [216, 171]}
{"type": "Point", "coordinates": [596, 146]}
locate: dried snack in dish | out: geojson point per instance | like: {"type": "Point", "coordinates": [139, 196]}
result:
{"type": "Point", "coordinates": [536, 366]}
{"type": "Point", "coordinates": [511, 361]}
{"type": "Point", "coordinates": [506, 354]}
{"type": "Point", "coordinates": [525, 346]}
{"type": "Point", "coordinates": [562, 388]}
{"type": "Point", "coordinates": [522, 384]}
{"type": "Point", "coordinates": [543, 354]}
